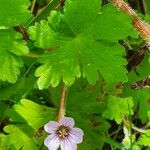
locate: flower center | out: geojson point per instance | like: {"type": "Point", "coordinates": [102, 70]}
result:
{"type": "Point", "coordinates": [62, 132]}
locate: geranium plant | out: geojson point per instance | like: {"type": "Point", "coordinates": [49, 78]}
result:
{"type": "Point", "coordinates": [74, 74]}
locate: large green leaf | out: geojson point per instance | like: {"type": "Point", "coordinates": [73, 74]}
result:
{"type": "Point", "coordinates": [35, 115]}
{"type": "Point", "coordinates": [85, 44]}
{"type": "Point", "coordinates": [118, 108]}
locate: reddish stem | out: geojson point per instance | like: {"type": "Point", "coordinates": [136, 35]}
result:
{"type": "Point", "coordinates": [142, 27]}
{"type": "Point", "coordinates": [62, 104]}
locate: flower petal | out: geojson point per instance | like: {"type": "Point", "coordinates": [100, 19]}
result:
{"type": "Point", "coordinates": [52, 142]}
{"type": "Point", "coordinates": [67, 121]}
{"type": "Point", "coordinates": [76, 135]}
{"type": "Point", "coordinates": [51, 126]}
{"type": "Point", "coordinates": [68, 145]}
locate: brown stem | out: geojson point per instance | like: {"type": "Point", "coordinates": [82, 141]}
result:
{"type": "Point", "coordinates": [22, 30]}
{"type": "Point", "coordinates": [142, 27]}
{"type": "Point", "coordinates": [62, 103]}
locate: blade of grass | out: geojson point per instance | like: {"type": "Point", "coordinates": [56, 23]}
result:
{"type": "Point", "coordinates": [44, 13]}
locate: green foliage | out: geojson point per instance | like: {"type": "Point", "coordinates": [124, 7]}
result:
{"type": "Point", "coordinates": [84, 44]}
{"type": "Point", "coordinates": [90, 97]}
{"type": "Point", "coordinates": [95, 133]}
{"type": "Point", "coordinates": [141, 100]}
{"type": "Point", "coordinates": [11, 48]}
{"type": "Point", "coordinates": [83, 113]}
{"type": "Point", "coordinates": [37, 116]}
{"type": "Point", "coordinates": [141, 97]}
{"type": "Point", "coordinates": [31, 123]}
{"type": "Point", "coordinates": [2, 110]}
{"type": "Point", "coordinates": [21, 88]}
{"type": "Point", "coordinates": [81, 45]}
{"type": "Point", "coordinates": [145, 138]}
{"type": "Point", "coordinates": [14, 12]}
{"type": "Point", "coordinates": [118, 108]}
{"type": "Point", "coordinates": [147, 5]}
{"type": "Point", "coordinates": [22, 141]}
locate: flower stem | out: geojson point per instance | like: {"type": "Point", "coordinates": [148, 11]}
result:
{"type": "Point", "coordinates": [62, 103]}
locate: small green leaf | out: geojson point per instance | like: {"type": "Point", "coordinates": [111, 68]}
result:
{"type": "Point", "coordinates": [145, 138]}
{"type": "Point", "coordinates": [118, 108]}
{"type": "Point", "coordinates": [11, 48]}
{"type": "Point", "coordinates": [141, 100]}
{"type": "Point", "coordinates": [35, 115]}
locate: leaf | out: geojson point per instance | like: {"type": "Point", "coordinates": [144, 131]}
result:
{"type": "Point", "coordinates": [141, 99]}
{"type": "Point", "coordinates": [18, 90]}
{"type": "Point", "coordinates": [14, 12]}
{"type": "Point", "coordinates": [2, 144]}
{"type": "Point", "coordinates": [11, 48]}
{"type": "Point", "coordinates": [45, 11]}
{"type": "Point", "coordinates": [114, 26]}
{"type": "Point", "coordinates": [145, 138]}
{"type": "Point", "coordinates": [19, 137]}
{"type": "Point", "coordinates": [90, 103]}
{"type": "Point", "coordinates": [30, 118]}
{"type": "Point", "coordinates": [35, 115]}
{"type": "Point", "coordinates": [85, 43]}
{"type": "Point", "coordinates": [118, 108]}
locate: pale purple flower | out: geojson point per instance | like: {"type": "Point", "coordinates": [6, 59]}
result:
{"type": "Point", "coordinates": [63, 134]}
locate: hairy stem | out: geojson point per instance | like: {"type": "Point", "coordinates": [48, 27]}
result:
{"type": "Point", "coordinates": [142, 27]}
{"type": "Point", "coordinates": [62, 103]}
